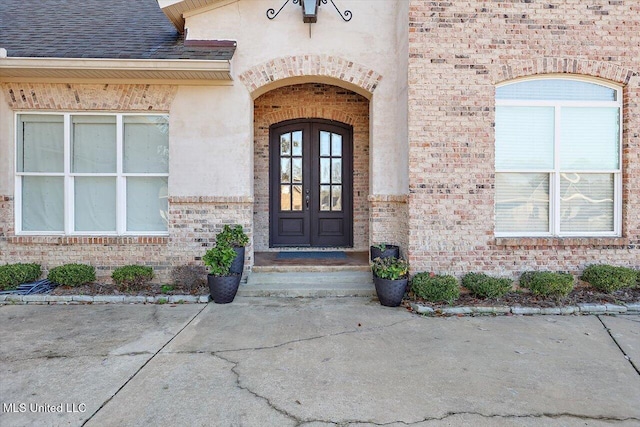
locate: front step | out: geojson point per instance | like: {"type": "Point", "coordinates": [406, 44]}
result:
{"type": "Point", "coordinates": [308, 284]}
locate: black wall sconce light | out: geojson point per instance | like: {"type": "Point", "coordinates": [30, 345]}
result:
{"type": "Point", "coordinates": [310, 10]}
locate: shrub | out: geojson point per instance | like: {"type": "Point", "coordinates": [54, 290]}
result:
{"type": "Point", "coordinates": [132, 277]}
{"type": "Point", "coordinates": [219, 259]}
{"type": "Point", "coordinates": [435, 288]}
{"type": "Point", "coordinates": [390, 268]}
{"type": "Point", "coordinates": [608, 278]}
{"type": "Point", "coordinates": [72, 274]}
{"type": "Point", "coordinates": [233, 237]}
{"type": "Point", "coordinates": [547, 283]}
{"type": "Point", "coordinates": [189, 277]}
{"type": "Point", "coordinates": [485, 286]}
{"type": "Point", "coordinates": [13, 275]}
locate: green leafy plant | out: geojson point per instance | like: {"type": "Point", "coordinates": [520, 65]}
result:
{"type": "Point", "coordinates": [390, 268]}
{"type": "Point", "coordinates": [435, 288]}
{"type": "Point", "coordinates": [608, 278]}
{"type": "Point", "coordinates": [380, 246]}
{"type": "Point", "coordinates": [234, 237]}
{"type": "Point", "coordinates": [13, 275]}
{"type": "Point", "coordinates": [486, 286]}
{"type": "Point", "coordinates": [132, 277]}
{"type": "Point", "coordinates": [547, 283]}
{"type": "Point", "coordinates": [72, 274]}
{"type": "Point", "coordinates": [166, 288]}
{"type": "Point", "coordinates": [219, 259]}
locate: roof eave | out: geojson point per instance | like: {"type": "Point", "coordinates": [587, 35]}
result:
{"type": "Point", "coordinates": [186, 70]}
{"type": "Point", "coordinates": [176, 9]}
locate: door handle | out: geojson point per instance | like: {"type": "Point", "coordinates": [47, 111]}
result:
{"type": "Point", "coordinates": [306, 199]}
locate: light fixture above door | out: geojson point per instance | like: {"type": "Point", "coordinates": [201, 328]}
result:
{"type": "Point", "coordinates": [310, 10]}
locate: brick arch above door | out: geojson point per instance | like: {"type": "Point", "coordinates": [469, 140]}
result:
{"type": "Point", "coordinates": [298, 69]}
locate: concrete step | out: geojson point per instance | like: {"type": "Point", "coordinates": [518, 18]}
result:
{"type": "Point", "coordinates": [351, 283]}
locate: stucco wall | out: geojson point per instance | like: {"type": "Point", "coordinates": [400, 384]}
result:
{"type": "Point", "coordinates": [324, 56]}
{"type": "Point", "coordinates": [458, 52]}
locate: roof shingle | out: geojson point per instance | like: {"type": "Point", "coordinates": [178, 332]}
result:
{"type": "Point", "coordinates": [116, 29]}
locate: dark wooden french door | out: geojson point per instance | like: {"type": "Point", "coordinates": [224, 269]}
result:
{"type": "Point", "coordinates": [310, 184]}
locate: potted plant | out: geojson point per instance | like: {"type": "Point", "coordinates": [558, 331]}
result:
{"type": "Point", "coordinates": [383, 250]}
{"type": "Point", "coordinates": [223, 284]}
{"type": "Point", "coordinates": [237, 240]}
{"type": "Point", "coordinates": [390, 276]}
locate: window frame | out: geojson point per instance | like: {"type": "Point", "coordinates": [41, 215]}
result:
{"type": "Point", "coordinates": [555, 173]}
{"type": "Point", "coordinates": [68, 176]}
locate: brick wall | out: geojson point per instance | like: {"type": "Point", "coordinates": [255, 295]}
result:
{"type": "Point", "coordinates": [195, 221]}
{"type": "Point", "coordinates": [458, 52]}
{"type": "Point", "coordinates": [311, 100]}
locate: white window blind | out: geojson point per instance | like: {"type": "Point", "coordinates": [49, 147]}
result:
{"type": "Point", "coordinates": [74, 181]}
{"type": "Point", "coordinates": [524, 138]}
{"type": "Point", "coordinates": [558, 167]}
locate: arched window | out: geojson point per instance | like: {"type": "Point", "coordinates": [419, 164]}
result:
{"type": "Point", "coordinates": [558, 158]}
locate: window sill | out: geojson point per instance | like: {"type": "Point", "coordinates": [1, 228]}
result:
{"type": "Point", "coordinates": [88, 240]}
{"type": "Point", "coordinates": [526, 242]}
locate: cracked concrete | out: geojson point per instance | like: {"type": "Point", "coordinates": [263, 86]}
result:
{"type": "Point", "coordinates": [316, 363]}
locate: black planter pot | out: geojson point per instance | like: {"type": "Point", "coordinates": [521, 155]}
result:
{"type": "Point", "coordinates": [223, 289]}
{"type": "Point", "coordinates": [390, 292]}
{"type": "Point", "coordinates": [237, 266]}
{"type": "Point", "coordinates": [389, 251]}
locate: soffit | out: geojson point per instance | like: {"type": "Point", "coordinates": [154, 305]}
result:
{"type": "Point", "coordinates": [185, 71]}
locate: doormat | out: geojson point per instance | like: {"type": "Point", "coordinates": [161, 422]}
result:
{"type": "Point", "coordinates": [308, 255]}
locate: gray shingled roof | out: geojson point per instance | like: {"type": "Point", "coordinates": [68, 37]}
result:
{"type": "Point", "coordinates": [134, 29]}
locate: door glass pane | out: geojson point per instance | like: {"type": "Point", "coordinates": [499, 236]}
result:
{"type": "Point", "coordinates": [285, 197]}
{"type": "Point", "coordinates": [336, 197]}
{"type": "Point", "coordinates": [285, 144]}
{"type": "Point", "coordinates": [325, 143]}
{"type": "Point", "coordinates": [285, 170]}
{"type": "Point", "coordinates": [590, 138]}
{"type": "Point", "coordinates": [95, 204]}
{"type": "Point", "coordinates": [147, 204]}
{"type": "Point", "coordinates": [296, 198]}
{"type": "Point", "coordinates": [297, 170]}
{"type": "Point", "coordinates": [297, 143]}
{"type": "Point", "coordinates": [325, 171]}
{"type": "Point", "coordinates": [522, 202]}
{"type": "Point", "coordinates": [325, 197]}
{"type": "Point", "coordinates": [146, 144]}
{"type": "Point", "coordinates": [586, 202]}
{"type": "Point", "coordinates": [336, 145]}
{"type": "Point", "coordinates": [42, 203]}
{"type": "Point", "coordinates": [40, 143]}
{"type": "Point", "coordinates": [524, 137]}
{"type": "Point", "coordinates": [93, 144]}
{"type": "Point", "coordinates": [336, 171]}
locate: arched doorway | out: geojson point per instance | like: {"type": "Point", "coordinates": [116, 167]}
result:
{"type": "Point", "coordinates": [314, 105]}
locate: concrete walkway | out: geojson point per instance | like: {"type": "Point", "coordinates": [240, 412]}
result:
{"type": "Point", "coordinates": [314, 363]}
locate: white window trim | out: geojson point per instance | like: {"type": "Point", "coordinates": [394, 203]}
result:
{"type": "Point", "coordinates": [69, 210]}
{"type": "Point", "coordinates": [554, 182]}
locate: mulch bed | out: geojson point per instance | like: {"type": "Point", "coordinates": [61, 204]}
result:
{"type": "Point", "coordinates": [523, 298]}
{"type": "Point", "coordinates": [148, 290]}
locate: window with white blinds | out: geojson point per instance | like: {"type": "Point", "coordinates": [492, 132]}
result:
{"type": "Point", "coordinates": [92, 174]}
{"type": "Point", "coordinates": [558, 158]}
